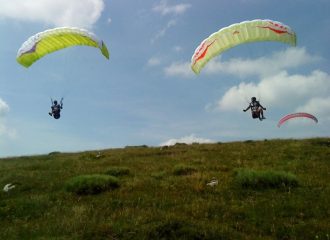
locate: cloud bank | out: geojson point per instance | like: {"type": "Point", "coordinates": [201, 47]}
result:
{"type": "Point", "coordinates": [58, 13]}
{"type": "Point", "coordinates": [275, 86]}
{"type": "Point", "coordinates": [290, 58]}
{"type": "Point", "coordinates": [281, 91]}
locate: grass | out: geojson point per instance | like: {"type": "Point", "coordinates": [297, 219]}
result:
{"type": "Point", "coordinates": [117, 171]}
{"type": "Point", "coordinates": [182, 169]}
{"type": "Point", "coordinates": [265, 179]}
{"type": "Point", "coordinates": [91, 184]}
{"type": "Point", "coordinates": [274, 189]}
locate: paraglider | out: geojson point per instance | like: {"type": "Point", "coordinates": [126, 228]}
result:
{"type": "Point", "coordinates": [256, 109]}
{"type": "Point", "coordinates": [239, 33]}
{"type": "Point", "coordinates": [56, 109]}
{"type": "Point", "coordinates": [294, 115]}
{"type": "Point", "coordinates": [55, 39]}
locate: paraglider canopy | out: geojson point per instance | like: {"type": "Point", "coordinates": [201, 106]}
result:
{"type": "Point", "coordinates": [239, 33]}
{"type": "Point", "coordinates": [55, 39]}
{"type": "Point", "coordinates": [294, 115]}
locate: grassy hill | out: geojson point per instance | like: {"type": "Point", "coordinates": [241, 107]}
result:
{"type": "Point", "coordinates": [271, 189]}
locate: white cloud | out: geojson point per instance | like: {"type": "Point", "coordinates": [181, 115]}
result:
{"type": "Point", "coordinates": [4, 108]}
{"type": "Point", "coordinates": [162, 32]}
{"type": "Point", "coordinates": [319, 107]}
{"type": "Point", "coordinates": [176, 9]}
{"type": "Point", "coordinates": [281, 91]}
{"type": "Point", "coordinates": [187, 139]}
{"type": "Point", "coordinates": [177, 48]}
{"type": "Point", "coordinates": [154, 61]}
{"type": "Point", "coordinates": [264, 66]}
{"type": "Point", "coordinates": [5, 132]}
{"type": "Point", "coordinates": [164, 9]}
{"type": "Point", "coordinates": [59, 13]}
{"type": "Point", "coordinates": [179, 69]}
{"type": "Point", "coordinates": [109, 20]}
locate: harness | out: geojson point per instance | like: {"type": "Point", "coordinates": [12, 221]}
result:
{"type": "Point", "coordinates": [57, 107]}
{"type": "Point", "coordinates": [254, 106]}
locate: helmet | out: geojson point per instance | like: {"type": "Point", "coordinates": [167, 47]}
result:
{"type": "Point", "coordinates": [55, 102]}
{"type": "Point", "coordinates": [253, 99]}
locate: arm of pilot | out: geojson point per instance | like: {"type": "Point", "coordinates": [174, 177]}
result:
{"type": "Point", "coordinates": [247, 108]}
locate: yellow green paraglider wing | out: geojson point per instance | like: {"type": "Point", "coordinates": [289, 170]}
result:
{"type": "Point", "coordinates": [239, 33]}
{"type": "Point", "coordinates": [55, 39]}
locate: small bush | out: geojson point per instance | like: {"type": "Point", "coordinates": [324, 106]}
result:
{"type": "Point", "coordinates": [264, 179]}
{"type": "Point", "coordinates": [54, 153]}
{"type": "Point", "coordinates": [180, 144]}
{"type": "Point", "coordinates": [91, 184]}
{"type": "Point", "coordinates": [88, 156]}
{"type": "Point", "coordinates": [183, 229]}
{"type": "Point", "coordinates": [141, 146]}
{"type": "Point", "coordinates": [169, 230]}
{"type": "Point", "coordinates": [117, 171]}
{"type": "Point", "coordinates": [197, 161]}
{"type": "Point", "coordinates": [182, 169]}
{"type": "Point", "coordinates": [158, 175]}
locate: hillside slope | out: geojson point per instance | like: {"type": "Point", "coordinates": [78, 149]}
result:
{"type": "Point", "coordinates": [163, 194]}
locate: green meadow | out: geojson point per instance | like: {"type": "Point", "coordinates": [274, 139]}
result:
{"type": "Point", "coordinates": [269, 189]}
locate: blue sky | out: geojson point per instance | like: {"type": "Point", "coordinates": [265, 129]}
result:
{"type": "Point", "coordinates": [146, 92]}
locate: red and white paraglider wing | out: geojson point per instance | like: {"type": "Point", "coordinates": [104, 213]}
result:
{"type": "Point", "coordinates": [294, 115]}
{"type": "Point", "coordinates": [240, 33]}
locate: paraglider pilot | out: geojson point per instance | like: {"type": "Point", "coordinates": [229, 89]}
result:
{"type": "Point", "coordinates": [256, 109]}
{"type": "Point", "coordinates": [56, 109]}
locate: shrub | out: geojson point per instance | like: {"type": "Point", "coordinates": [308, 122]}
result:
{"type": "Point", "coordinates": [141, 146]}
{"type": "Point", "coordinates": [117, 171]}
{"type": "Point", "coordinates": [265, 179]}
{"type": "Point", "coordinates": [197, 161]}
{"type": "Point", "coordinates": [183, 229]}
{"type": "Point", "coordinates": [54, 153]}
{"type": "Point", "coordinates": [88, 156]}
{"type": "Point", "coordinates": [180, 144]}
{"type": "Point", "coordinates": [158, 175]}
{"type": "Point", "coordinates": [91, 184]}
{"type": "Point", "coordinates": [182, 169]}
